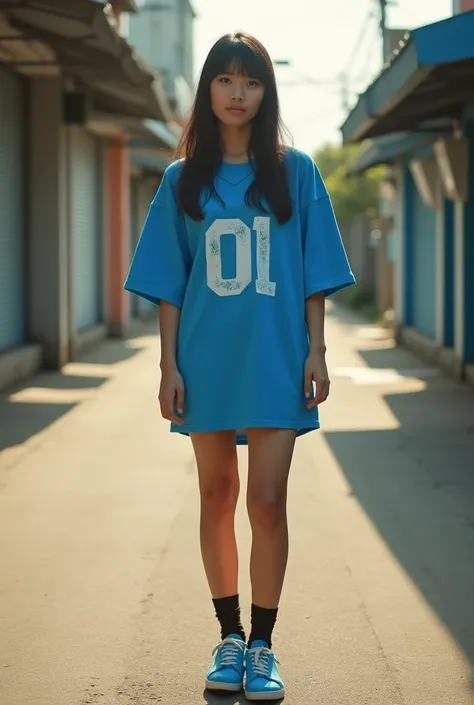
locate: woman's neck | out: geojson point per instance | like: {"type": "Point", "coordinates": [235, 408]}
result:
{"type": "Point", "coordinates": [235, 143]}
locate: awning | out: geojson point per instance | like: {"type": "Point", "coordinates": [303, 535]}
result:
{"type": "Point", "coordinates": [144, 134]}
{"type": "Point", "coordinates": [148, 162]}
{"type": "Point", "coordinates": [127, 5]}
{"type": "Point", "coordinates": [159, 131]}
{"type": "Point", "coordinates": [130, 6]}
{"type": "Point", "coordinates": [87, 46]}
{"type": "Point", "coordinates": [426, 85]}
{"type": "Point", "coordinates": [384, 150]}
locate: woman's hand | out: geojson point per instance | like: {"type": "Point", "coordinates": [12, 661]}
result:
{"type": "Point", "coordinates": [315, 370]}
{"type": "Point", "coordinates": [171, 394]}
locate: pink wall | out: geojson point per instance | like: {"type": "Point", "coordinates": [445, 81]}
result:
{"type": "Point", "coordinates": [117, 176]}
{"type": "Point", "coordinates": [118, 207]}
{"type": "Point", "coordinates": [462, 6]}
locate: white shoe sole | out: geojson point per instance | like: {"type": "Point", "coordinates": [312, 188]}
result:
{"type": "Point", "coordinates": [277, 695]}
{"type": "Point", "coordinates": [228, 687]}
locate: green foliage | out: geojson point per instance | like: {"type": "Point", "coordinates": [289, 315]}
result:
{"type": "Point", "coordinates": [351, 196]}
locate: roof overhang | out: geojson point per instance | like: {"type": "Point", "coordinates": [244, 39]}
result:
{"type": "Point", "coordinates": [387, 149]}
{"type": "Point", "coordinates": [143, 134]}
{"type": "Point", "coordinates": [192, 8]}
{"type": "Point", "coordinates": [152, 163]}
{"type": "Point", "coordinates": [80, 38]}
{"type": "Point", "coordinates": [425, 86]}
{"type": "Point", "coordinates": [155, 131]}
{"type": "Point", "coordinates": [131, 6]}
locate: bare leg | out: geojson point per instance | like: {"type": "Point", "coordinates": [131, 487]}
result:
{"type": "Point", "coordinates": [270, 454]}
{"type": "Point", "coordinates": [219, 485]}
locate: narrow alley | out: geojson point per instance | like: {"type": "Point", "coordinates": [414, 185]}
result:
{"type": "Point", "coordinates": [103, 597]}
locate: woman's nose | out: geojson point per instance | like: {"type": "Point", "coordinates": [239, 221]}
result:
{"type": "Point", "coordinates": [237, 93]}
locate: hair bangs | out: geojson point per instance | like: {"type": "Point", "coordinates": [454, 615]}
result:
{"type": "Point", "coordinates": [236, 56]}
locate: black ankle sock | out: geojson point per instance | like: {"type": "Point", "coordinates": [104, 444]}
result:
{"type": "Point", "coordinates": [228, 614]}
{"type": "Point", "coordinates": [263, 622]}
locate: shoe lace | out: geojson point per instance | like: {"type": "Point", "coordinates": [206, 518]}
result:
{"type": "Point", "coordinates": [261, 661]}
{"type": "Point", "coordinates": [230, 651]}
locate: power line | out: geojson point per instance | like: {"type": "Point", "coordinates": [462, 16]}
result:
{"type": "Point", "coordinates": [315, 118]}
{"type": "Point", "coordinates": [368, 64]}
{"type": "Point", "coordinates": [368, 15]}
{"type": "Point", "coordinates": [344, 75]}
{"type": "Point", "coordinates": [381, 16]}
{"type": "Point", "coordinates": [343, 78]}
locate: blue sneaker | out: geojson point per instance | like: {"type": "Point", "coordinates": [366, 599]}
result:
{"type": "Point", "coordinates": [227, 671]}
{"type": "Point", "coordinates": [262, 681]}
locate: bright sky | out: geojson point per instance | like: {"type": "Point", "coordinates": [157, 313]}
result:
{"type": "Point", "coordinates": [321, 39]}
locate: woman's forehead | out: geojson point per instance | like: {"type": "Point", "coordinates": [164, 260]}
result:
{"type": "Point", "coordinates": [236, 68]}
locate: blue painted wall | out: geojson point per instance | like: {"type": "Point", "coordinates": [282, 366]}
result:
{"type": "Point", "coordinates": [448, 322]}
{"type": "Point", "coordinates": [406, 234]}
{"type": "Point", "coordinates": [469, 254]}
{"type": "Point", "coordinates": [12, 210]}
{"type": "Point", "coordinates": [423, 247]}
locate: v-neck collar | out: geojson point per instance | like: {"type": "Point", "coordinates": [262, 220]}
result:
{"type": "Point", "coordinates": [234, 173]}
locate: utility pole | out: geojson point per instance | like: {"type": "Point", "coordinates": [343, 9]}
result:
{"type": "Point", "coordinates": [383, 28]}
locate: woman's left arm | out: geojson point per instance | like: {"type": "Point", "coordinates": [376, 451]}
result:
{"type": "Point", "coordinates": [315, 366]}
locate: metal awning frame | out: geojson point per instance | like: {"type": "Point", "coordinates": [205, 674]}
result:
{"type": "Point", "coordinates": [84, 43]}
{"type": "Point", "coordinates": [427, 82]}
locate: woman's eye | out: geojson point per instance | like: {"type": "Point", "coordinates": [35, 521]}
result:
{"type": "Point", "coordinates": [253, 83]}
{"type": "Point", "coordinates": [224, 79]}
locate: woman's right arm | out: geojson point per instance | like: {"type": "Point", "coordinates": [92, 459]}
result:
{"type": "Point", "coordinates": [172, 386]}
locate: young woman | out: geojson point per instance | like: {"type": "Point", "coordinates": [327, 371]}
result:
{"type": "Point", "coordinates": [239, 250]}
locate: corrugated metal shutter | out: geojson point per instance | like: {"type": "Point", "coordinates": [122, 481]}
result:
{"type": "Point", "coordinates": [87, 228]}
{"type": "Point", "coordinates": [12, 208]}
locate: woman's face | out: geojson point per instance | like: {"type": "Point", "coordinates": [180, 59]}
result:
{"type": "Point", "coordinates": [235, 99]}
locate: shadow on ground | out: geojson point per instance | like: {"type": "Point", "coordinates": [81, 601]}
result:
{"type": "Point", "coordinates": [64, 381]}
{"type": "Point", "coordinates": [214, 698]}
{"type": "Point", "coordinates": [115, 350]}
{"type": "Point", "coordinates": [398, 359]}
{"type": "Point", "coordinates": [416, 483]}
{"type": "Point", "coordinates": [20, 422]}
{"type": "Point", "coordinates": [110, 352]}
{"type": "Point", "coordinates": [30, 408]}
{"type": "Point", "coordinates": [34, 406]}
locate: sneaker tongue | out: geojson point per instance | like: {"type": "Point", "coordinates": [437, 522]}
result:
{"type": "Point", "coordinates": [235, 636]}
{"type": "Point", "coordinates": [258, 643]}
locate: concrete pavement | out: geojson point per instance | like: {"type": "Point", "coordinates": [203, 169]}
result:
{"type": "Point", "coordinates": [102, 594]}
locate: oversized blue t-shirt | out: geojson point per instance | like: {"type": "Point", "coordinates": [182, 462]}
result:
{"type": "Point", "coordinates": [241, 280]}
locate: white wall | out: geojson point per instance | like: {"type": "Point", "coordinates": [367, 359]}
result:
{"type": "Point", "coordinates": [163, 33]}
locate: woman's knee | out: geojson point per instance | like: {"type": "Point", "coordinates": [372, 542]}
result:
{"type": "Point", "coordinates": [216, 458]}
{"type": "Point", "coordinates": [219, 495]}
{"type": "Point", "coordinates": [267, 508]}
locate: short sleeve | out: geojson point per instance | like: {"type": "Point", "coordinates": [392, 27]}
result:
{"type": "Point", "coordinates": [161, 263]}
{"type": "Point", "coordinates": [326, 266]}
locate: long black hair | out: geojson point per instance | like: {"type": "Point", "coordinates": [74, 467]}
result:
{"type": "Point", "coordinates": [200, 143]}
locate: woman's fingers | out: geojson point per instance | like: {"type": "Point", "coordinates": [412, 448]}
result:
{"type": "Point", "coordinates": [168, 409]}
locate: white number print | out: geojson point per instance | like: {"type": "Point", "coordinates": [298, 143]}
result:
{"type": "Point", "coordinates": [243, 270]}
{"type": "Point", "coordinates": [263, 283]}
